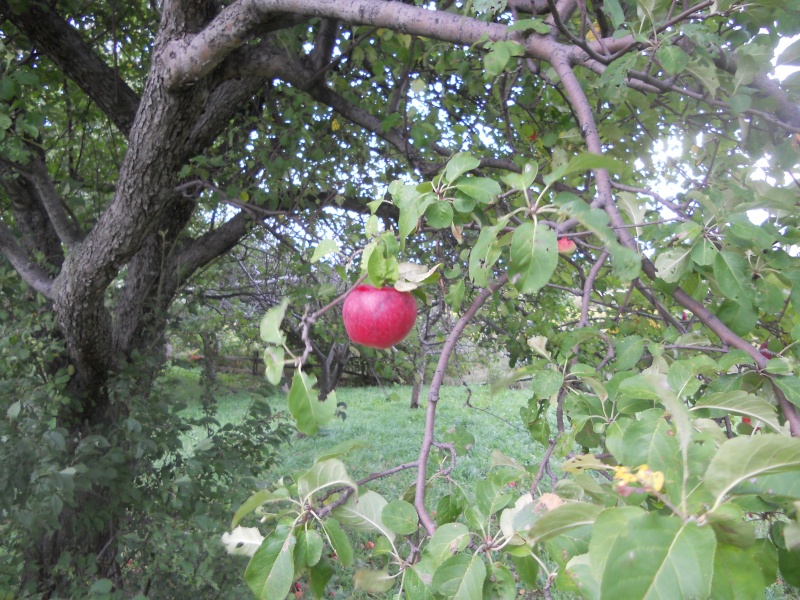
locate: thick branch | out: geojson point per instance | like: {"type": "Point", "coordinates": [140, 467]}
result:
{"type": "Point", "coordinates": [192, 59]}
{"type": "Point", "coordinates": [65, 47]}
{"type": "Point", "coordinates": [22, 263]}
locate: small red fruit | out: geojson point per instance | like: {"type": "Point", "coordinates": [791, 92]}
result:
{"type": "Point", "coordinates": [566, 246]}
{"type": "Point", "coordinates": [378, 317]}
{"type": "Point", "coordinates": [369, 545]}
{"type": "Point", "coordinates": [746, 420]}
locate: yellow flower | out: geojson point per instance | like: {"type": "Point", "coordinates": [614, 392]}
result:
{"type": "Point", "coordinates": [335, 125]}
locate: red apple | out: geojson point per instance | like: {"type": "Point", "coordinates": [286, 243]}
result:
{"type": "Point", "coordinates": [378, 317]}
{"type": "Point", "coordinates": [566, 246]}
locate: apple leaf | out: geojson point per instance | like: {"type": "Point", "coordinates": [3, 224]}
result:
{"type": "Point", "coordinates": [401, 517]}
{"type": "Point", "coordinates": [339, 542]}
{"type": "Point", "coordinates": [790, 386]}
{"type": "Point", "coordinates": [744, 458]}
{"type": "Point", "coordinates": [446, 541]}
{"type": "Point", "coordinates": [672, 264]}
{"type": "Point", "coordinates": [521, 181]}
{"type": "Point", "coordinates": [373, 582]}
{"type": "Point", "coordinates": [733, 273]}
{"type": "Point", "coordinates": [742, 403]}
{"type": "Point", "coordinates": [256, 500]}
{"type": "Point", "coordinates": [308, 549]}
{"type": "Point", "coordinates": [325, 474]}
{"type": "Point", "coordinates": [324, 248]}
{"type": "Point", "coordinates": [309, 413]}
{"type": "Point", "coordinates": [661, 557]}
{"type": "Point", "coordinates": [534, 256]}
{"type": "Point", "coordinates": [736, 574]}
{"type": "Point", "coordinates": [562, 519]}
{"type": "Point", "coordinates": [628, 352]}
{"type": "Point", "coordinates": [439, 215]}
{"type": "Point", "coordinates": [274, 357]}
{"type": "Point", "coordinates": [460, 577]}
{"type": "Point", "coordinates": [363, 513]}
{"type": "Point", "coordinates": [485, 253]}
{"type": "Point", "coordinates": [483, 189]}
{"type": "Point", "coordinates": [791, 55]}
{"type": "Point", "coordinates": [271, 323]}
{"type": "Point", "coordinates": [340, 449]}
{"type": "Point", "coordinates": [271, 570]}
{"type": "Point", "coordinates": [460, 163]}
{"type": "Point", "coordinates": [243, 541]}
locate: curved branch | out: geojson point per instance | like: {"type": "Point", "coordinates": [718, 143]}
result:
{"type": "Point", "coordinates": [65, 47]}
{"type": "Point", "coordinates": [22, 263]}
{"type": "Point", "coordinates": [433, 397]}
{"type": "Point", "coordinates": [605, 200]}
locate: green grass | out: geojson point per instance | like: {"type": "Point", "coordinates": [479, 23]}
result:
{"type": "Point", "coordinates": [392, 433]}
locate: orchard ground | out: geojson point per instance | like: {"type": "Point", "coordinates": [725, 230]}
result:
{"type": "Point", "coordinates": [391, 433]}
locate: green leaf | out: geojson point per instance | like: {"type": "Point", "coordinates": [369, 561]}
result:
{"type": "Point", "coordinates": [439, 215]}
{"type": "Point", "coordinates": [341, 449]}
{"type": "Point", "coordinates": [497, 58]}
{"type": "Point", "coordinates": [460, 163]}
{"type": "Point", "coordinates": [534, 257]}
{"type": "Point", "coordinates": [484, 254]}
{"type": "Point", "coordinates": [308, 549]}
{"type": "Point", "coordinates": [791, 55]}
{"type": "Point", "coordinates": [274, 357]}
{"type": "Point", "coordinates": [400, 516]}
{"type": "Point", "coordinates": [483, 189]}
{"type": "Point", "coordinates": [418, 581]}
{"type": "Point", "coordinates": [742, 403]}
{"type": "Point", "coordinates": [790, 386]}
{"type": "Point", "coordinates": [363, 513]}
{"type": "Point", "coordinates": [309, 413]}
{"type": "Point", "coordinates": [672, 264]}
{"type": "Point", "coordinates": [564, 518]}
{"type": "Point", "coordinates": [446, 541]}
{"type": "Point", "coordinates": [736, 575]}
{"type": "Point", "coordinates": [704, 253]}
{"type": "Point", "coordinates": [628, 352]}
{"type": "Point", "coordinates": [339, 542]}
{"type": "Point", "coordinates": [455, 295]}
{"type": "Point", "coordinates": [521, 181]}
{"type": "Point", "coordinates": [320, 575]}
{"type": "Point", "coordinates": [271, 323]}
{"type": "Point", "coordinates": [324, 248]}
{"type": "Point", "coordinates": [460, 578]}
{"type": "Point", "coordinates": [325, 474]}
{"type": "Point", "coordinates": [673, 59]}
{"type": "Point", "coordinates": [659, 557]}
{"type": "Point", "coordinates": [743, 458]}
{"type": "Point", "coordinates": [271, 570]}
{"type": "Point", "coordinates": [373, 582]}
{"type": "Point", "coordinates": [491, 497]}
{"type": "Point", "coordinates": [382, 266]}
{"type": "Point", "coordinates": [585, 161]}
{"type": "Point", "coordinates": [254, 501]}
{"type": "Point", "coordinates": [733, 273]}
{"type": "Point", "coordinates": [609, 525]}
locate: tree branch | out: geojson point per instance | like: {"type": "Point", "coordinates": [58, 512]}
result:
{"type": "Point", "coordinates": [65, 47]}
{"type": "Point", "coordinates": [22, 263]}
{"type": "Point", "coordinates": [433, 397]}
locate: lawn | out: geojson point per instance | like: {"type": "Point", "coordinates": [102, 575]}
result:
{"type": "Point", "coordinates": [391, 433]}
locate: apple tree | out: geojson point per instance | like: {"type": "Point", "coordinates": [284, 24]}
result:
{"type": "Point", "coordinates": [142, 142]}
